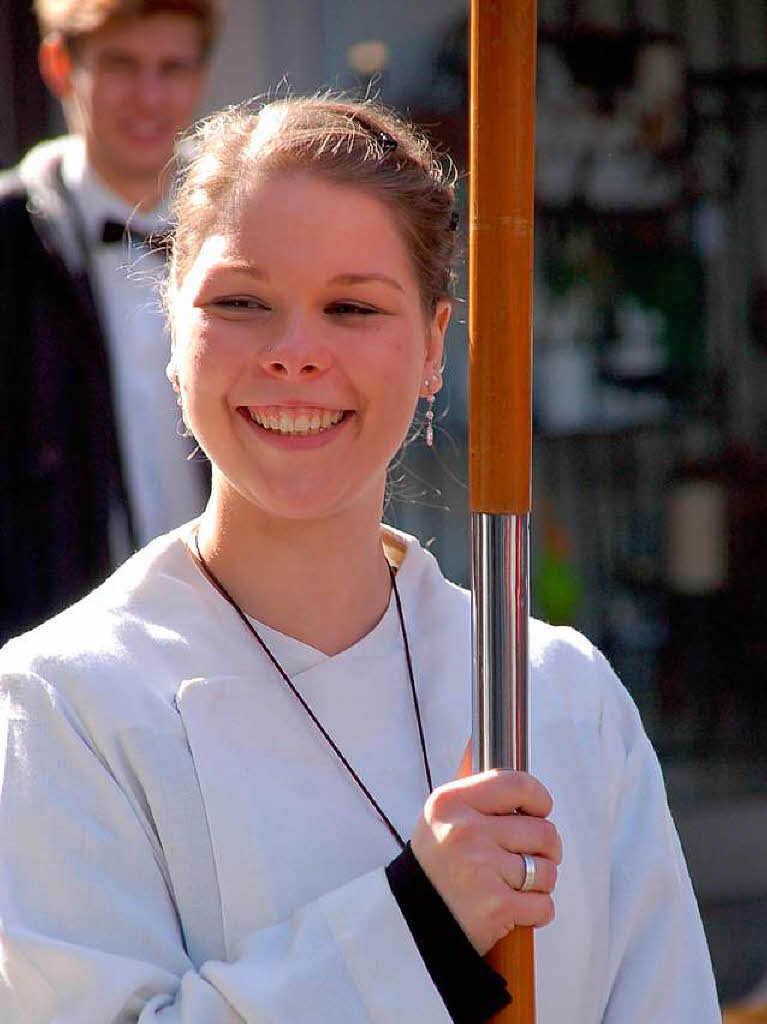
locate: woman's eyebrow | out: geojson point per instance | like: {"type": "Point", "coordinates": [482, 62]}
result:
{"type": "Point", "coordinates": [241, 266]}
{"type": "Point", "coordinates": [364, 278]}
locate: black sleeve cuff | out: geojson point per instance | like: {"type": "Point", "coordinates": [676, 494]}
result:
{"type": "Point", "coordinates": [470, 989]}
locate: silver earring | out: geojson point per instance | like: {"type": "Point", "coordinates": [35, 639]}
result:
{"type": "Point", "coordinates": [183, 431]}
{"type": "Point", "coordinates": [429, 417]}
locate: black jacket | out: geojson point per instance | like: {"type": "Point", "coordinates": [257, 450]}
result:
{"type": "Point", "coordinates": [59, 459]}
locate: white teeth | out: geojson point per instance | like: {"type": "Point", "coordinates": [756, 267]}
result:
{"type": "Point", "coordinates": [300, 421]}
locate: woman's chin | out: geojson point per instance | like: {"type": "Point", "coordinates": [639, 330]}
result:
{"type": "Point", "coordinates": [308, 500]}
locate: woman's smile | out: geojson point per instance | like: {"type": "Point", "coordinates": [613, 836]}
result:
{"type": "Point", "coordinates": [299, 420]}
{"type": "Point", "coordinates": [308, 426]}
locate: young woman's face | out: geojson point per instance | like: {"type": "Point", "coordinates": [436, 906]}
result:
{"type": "Point", "coordinates": [301, 347]}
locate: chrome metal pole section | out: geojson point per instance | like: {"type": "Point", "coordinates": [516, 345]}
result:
{"type": "Point", "coordinates": [500, 610]}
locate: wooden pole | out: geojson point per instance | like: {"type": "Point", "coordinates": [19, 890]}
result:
{"type": "Point", "coordinates": [503, 39]}
{"type": "Point", "coordinates": [503, 52]}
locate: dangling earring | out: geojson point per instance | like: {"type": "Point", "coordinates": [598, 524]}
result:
{"type": "Point", "coordinates": [429, 417]}
{"type": "Point", "coordinates": [185, 432]}
{"type": "Point", "coordinates": [181, 428]}
{"type": "Point", "coordinates": [173, 378]}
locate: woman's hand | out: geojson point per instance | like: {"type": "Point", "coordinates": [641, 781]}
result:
{"type": "Point", "coordinates": [469, 841]}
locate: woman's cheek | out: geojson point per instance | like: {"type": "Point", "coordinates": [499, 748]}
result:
{"type": "Point", "coordinates": [208, 347]}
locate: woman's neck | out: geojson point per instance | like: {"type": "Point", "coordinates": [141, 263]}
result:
{"type": "Point", "coordinates": [325, 582]}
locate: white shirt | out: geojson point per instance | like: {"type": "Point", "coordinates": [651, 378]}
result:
{"type": "Point", "coordinates": [164, 489]}
{"type": "Point", "coordinates": [177, 844]}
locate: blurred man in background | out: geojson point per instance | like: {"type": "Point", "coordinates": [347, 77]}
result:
{"type": "Point", "coordinates": [91, 461]}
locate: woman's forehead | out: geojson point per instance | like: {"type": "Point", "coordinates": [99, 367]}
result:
{"type": "Point", "coordinates": [305, 193]}
{"type": "Point", "coordinates": [279, 219]}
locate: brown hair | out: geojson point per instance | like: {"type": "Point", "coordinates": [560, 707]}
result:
{"type": "Point", "coordinates": [75, 18]}
{"type": "Point", "coordinates": [359, 144]}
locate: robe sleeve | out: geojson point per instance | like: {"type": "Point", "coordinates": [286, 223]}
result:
{"type": "Point", "coordinates": [659, 967]}
{"type": "Point", "coordinates": [471, 990]}
{"type": "Point", "coordinates": [90, 934]}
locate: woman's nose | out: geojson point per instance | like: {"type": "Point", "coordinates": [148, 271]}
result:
{"type": "Point", "coordinates": [285, 366]}
{"type": "Point", "coordinates": [296, 352]}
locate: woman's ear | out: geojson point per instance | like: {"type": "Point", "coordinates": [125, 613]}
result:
{"type": "Point", "coordinates": [55, 62]}
{"type": "Point", "coordinates": [172, 374]}
{"type": "Point", "coordinates": [435, 346]}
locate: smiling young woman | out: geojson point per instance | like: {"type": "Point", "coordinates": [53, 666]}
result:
{"type": "Point", "coordinates": [303, 352]}
{"type": "Point", "coordinates": [309, 297]}
{"type": "Point", "coordinates": [214, 763]}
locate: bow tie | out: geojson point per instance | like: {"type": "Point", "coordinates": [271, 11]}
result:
{"type": "Point", "coordinates": [114, 232]}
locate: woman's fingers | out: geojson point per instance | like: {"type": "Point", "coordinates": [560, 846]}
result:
{"type": "Point", "coordinates": [531, 910]}
{"type": "Point", "coordinates": [502, 792]}
{"type": "Point", "coordinates": [516, 805]}
{"type": "Point", "coordinates": [471, 841]}
{"type": "Point", "coordinates": [514, 872]}
{"type": "Point", "coordinates": [519, 833]}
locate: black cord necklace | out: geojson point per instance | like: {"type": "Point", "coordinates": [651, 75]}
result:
{"type": "Point", "coordinates": [214, 580]}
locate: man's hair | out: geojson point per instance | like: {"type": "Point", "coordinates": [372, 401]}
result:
{"type": "Point", "coordinates": [73, 19]}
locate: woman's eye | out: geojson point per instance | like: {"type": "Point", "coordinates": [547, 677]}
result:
{"type": "Point", "coordinates": [245, 302]}
{"type": "Point", "coordinates": [351, 309]}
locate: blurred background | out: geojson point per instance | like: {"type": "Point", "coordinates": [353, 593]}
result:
{"type": "Point", "coordinates": [650, 489]}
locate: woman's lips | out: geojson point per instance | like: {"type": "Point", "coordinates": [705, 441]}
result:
{"type": "Point", "coordinates": [296, 424]}
{"type": "Point", "coordinates": [294, 421]}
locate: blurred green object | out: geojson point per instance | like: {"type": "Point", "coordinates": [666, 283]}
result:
{"type": "Point", "coordinates": [558, 591]}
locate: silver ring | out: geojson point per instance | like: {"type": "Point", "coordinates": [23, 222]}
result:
{"type": "Point", "coordinates": [529, 881]}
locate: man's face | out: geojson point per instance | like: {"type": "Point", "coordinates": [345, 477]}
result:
{"type": "Point", "coordinates": [131, 88]}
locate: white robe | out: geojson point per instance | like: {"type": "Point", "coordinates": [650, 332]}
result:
{"type": "Point", "coordinates": [177, 844]}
